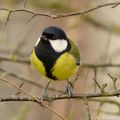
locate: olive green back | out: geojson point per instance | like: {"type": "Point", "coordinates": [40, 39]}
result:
{"type": "Point", "coordinates": [75, 51]}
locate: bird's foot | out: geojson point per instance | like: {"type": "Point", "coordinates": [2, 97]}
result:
{"type": "Point", "coordinates": [45, 94]}
{"type": "Point", "coordinates": [69, 89]}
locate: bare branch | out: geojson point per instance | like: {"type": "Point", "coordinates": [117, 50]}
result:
{"type": "Point", "coordinates": [113, 5]}
{"type": "Point", "coordinates": [15, 59]}
{"type": "Point", "coordinates": [8, 17]}
{"type": "Point", "coordinates": [62, 96]}
{"type": "Point", "coordinates": [87, 95]}
{"type": "Point", "coordinates": [4, 9]}
{"type": "Point", "coordinates": [114, 80]}
{"type": "Point", "coordinates": [33, 98]}
{"type": "Point", "coordinates": [19, 91]}
{"type": "Point", "coordinates": [25, 2]}
{"type": "Point", "coordinates": [95, 79]}
{"type": "Point", "coordinates": [80, 13]}
{"type": "Point", "coordinates": [100, 65]}
{"type": "Point", "coordinates": [87, 108]}
{"type": "Point", "coordinates": [28, 80]}
{"type": "Point", "coordinates": [101, 88]}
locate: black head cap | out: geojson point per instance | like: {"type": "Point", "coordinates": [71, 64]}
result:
{"type": "Point", "coordinates": [54, 32]}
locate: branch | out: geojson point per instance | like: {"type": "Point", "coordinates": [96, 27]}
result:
{"type": "Point", "coordinates": [33, 98]}
{"type": "Point", "coordinates": [29, 81]}
{"type": "Point", "coordinates": [61, 96]}
{"type": "Point", "coordinates": [113, 5]}
{"type": "Point", "coordinates": [95, 79]}
{"type": "Point", "coordinates": [86, 95]}
{"type": "Point", "coordinates": [87, 108]}
{"type": "Point", "coordinates": [8, 51]}
{"type": "Point", "coordinates": [15, 59]}
{"type": "Point", "coordinates": [114, 79]}
{"type": "Point", "coordinates": [96, 83]}
{"type": "Point", "coordinates": [25, 3]}
{"type": "Point", "coordinates": [100, 65]}
{"type": "Point", "coordinates": [54, 16]}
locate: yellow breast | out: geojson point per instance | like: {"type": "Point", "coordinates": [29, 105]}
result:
{"type": "Point", "coordinates": [64, 67]}
{"type": "Point", "coordinates": [37, 63]}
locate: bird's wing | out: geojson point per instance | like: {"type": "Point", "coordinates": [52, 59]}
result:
{"type": "Point", "coordinates": [75, 52]}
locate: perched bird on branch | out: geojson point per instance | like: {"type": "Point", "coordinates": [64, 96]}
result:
{"type": "Point", "coordinates": [55, 56]}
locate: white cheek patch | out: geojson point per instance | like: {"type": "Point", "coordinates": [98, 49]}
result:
{"type": "Point", "coordinates": [59, 45]}
{"type": "Point", "coordinates": [37, 41]}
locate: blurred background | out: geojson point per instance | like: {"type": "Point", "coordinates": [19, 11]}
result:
{"type": "Point", "coordinates": [97, 35]}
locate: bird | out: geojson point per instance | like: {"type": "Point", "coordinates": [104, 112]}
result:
{"type": "Point", "coordinates": [55, 56]}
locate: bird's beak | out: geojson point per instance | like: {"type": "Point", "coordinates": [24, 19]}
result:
{"type": "Point", "coordinates": [43, 37]}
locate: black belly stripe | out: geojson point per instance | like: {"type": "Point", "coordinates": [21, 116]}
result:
{"type": "Point", "coordinates": [48, 57]}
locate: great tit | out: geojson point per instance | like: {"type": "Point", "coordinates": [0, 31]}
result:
{"type": "Point", "coordinates": [54, 55]}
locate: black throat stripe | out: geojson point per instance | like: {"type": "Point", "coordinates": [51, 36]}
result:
{"type": "Point", "coordinates": [47, 55]}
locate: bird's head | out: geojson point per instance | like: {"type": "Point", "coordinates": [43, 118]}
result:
{"type": "Point", "coordinates": [56, 37]}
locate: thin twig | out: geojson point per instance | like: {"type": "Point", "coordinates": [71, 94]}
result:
{"type": "Point", "coordinates": [34, 98]}
{"type": "Point", "coordinates": [112, 4]}
{"type": "Point", "coordinates": [95, 79]}
{"type": "Point", "coordinates": [25, 3]}
{"type": "Point", "coordinates": [15, 59]}
{"type": "Point", "coordinates": [28, 80]}
{"type": "Point", "coordinates": [87, 108]}
{"type": "Point", "coordinates": [100, 65]}
{"type": "Point", "coordinates": [8, 17]}
{"type": "Point", "coordinates": [102, 88]}
{"type": "Point", "coordinates": [114, 80]}
{"type": "Point", "coordinates": [19, 91]}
